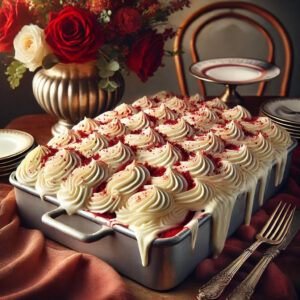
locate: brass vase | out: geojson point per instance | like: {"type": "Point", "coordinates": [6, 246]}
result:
{"type": "Point", "coordinates": [71, 91]}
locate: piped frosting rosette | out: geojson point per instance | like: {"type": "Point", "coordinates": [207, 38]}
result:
{"type": "Point", "coordinates": [229, 131]}
{"type": "Point", "coordinates": [64, 139]}
{"type": "Point", "coordinates": [198, 165]}
{"type": "Point", "coordinates": [87, 125]}
{"type": "Point", "coordinates": [119, 188]}
{"type": "Point", "coordinates": [236, 113]}
{"type": "Point", "coordinates": [244, 158]}
{"type": "Point", "coordinates": [203, 118]}
{"type": "Point", "coordinates": [161, 112]}
{"type": "Point", "coordinates": [137, 121]}
{"type": "Point", "coordinates": [177, 104]}
{"type": "Point", "coordinates": [261, 148]}
{"type": "Point", "coordinates": [163, 156]}
{"type": "Point", "coordinates": [125, 110]}
{"type": "Point", "coordinates": [144, 139]}
{"type": "Point", "coordinates": [75, 191]}
{"type": "Point", "coordinates": [90, 145]}
{"type": "Point", "coordinates": [147, 213]}
{"type": "Point", "coordinates": [195, 198]}
{"type": "Point", "coordinates": [107, 117]}
{"type": "Point", "coordinates": [143, 102]}
{"type": "Point", "coordinates": [170, 181]}
{"type": "Point", "coordinates": [205, 142]}
{"type": "Point", "coordinates": [279, 138]}
{"type": "Point", "coordinates": [176, 130]}
{"type": "Point", "coordinates": [57, 168]}
{"type": "Point", "coordinates": [113, 129]}
{"type": "Point", "coordinates": [215, 104]}
{"type": "Point", "coordinates": [115, 156]}
{"type": "Point", "coordinates": [31, 165]}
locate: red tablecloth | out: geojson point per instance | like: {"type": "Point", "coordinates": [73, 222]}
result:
{"type": "Point", "coordinates": [278, 279]}
{"type": "Point", "coordinates": [32, 267]}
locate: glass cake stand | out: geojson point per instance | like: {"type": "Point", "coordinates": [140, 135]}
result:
{"type": "Point", "coordinates": [232, 72]}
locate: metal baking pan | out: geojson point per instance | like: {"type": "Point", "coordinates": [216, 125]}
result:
{"type": "Point", "coordinates": [171, 260]}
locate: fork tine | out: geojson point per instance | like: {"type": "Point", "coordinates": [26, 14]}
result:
{"type": "Point", "coordinates": [270, 219]}
{"type": "Point", "coordinates": [278, 226]}
{"type": "Point", "coordinates": [274, 221]}
{"type": "Point", "coordinates": [286, 226]}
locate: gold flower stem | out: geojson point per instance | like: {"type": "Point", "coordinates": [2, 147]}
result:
{"type": "Point", "coordinates": [247, 287]}
{"type": "Point", "coordinates": [216, 285]}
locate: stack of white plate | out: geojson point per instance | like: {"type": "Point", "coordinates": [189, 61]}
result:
{"type": "Point", "coordinates": [284, 112]}
{"type": "Point", "coordinates": [14, 145]}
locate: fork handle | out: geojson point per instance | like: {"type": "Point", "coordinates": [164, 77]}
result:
{"type": "Point", "coordinates": [216, 285]}
{"type": "Point", "coordinates": [246, 288]}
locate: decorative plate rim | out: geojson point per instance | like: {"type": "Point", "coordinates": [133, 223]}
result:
{"type": "Point", "coordinates": [269, 70]}
{"type": "Point", "coordinates": [17, 132]}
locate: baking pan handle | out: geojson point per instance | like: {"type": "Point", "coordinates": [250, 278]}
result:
{"type": "Point", "coordinates": [49, 219]}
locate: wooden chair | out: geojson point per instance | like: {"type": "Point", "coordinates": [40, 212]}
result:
{"type": "Point", "coordinates": [215, 8]}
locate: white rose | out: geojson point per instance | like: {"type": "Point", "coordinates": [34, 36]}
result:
{"type": "Point", "coordinates": [30, 46]}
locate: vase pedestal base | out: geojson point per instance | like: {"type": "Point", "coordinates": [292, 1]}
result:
{"type": "Point", "coordinates": [60, 127]}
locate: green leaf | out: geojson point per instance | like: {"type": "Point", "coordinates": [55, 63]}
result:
{"type": "Point", "coordinates": [49, 61]}
{"type": "Point", "coordinates": [103, 83]}
{"type": "Point", "coordinates": [104, 73]}
{"type": "Point", "coordinates": [113, 84]}
{"type": "Point", "coordinates": [102, 63]}
{"type": "Point", "coordinates": [113, 65]}
{"type": "Point", "coordinates": [15, 72]}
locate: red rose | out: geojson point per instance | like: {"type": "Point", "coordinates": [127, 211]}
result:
{"type": "Point", "coordinates": [13, 16]}
{"type": "Point", "coordinates": [146, 55]}
{"type": "Point", "coordinates": [128, 20]}
{"type": "Point", "coordinates": [74, 35]}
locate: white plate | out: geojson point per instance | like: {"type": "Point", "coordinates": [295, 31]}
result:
{"type": "Point", "coordinates": [234, 70]}
{"type": "Point", "coordinates": [279, 109]}
{"type": "Point", "coordinates": [14, 142]}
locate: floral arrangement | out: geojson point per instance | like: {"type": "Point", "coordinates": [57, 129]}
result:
{"type": "Point", "coordinates": [120, 35]}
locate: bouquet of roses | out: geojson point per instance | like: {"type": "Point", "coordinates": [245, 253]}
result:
{"type": "Point", "coordinates": [120, 35]}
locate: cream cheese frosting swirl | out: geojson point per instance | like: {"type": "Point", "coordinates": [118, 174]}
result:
{"type": "Point", "coordinates": [230, 131]}
{"type": "Point", "coordinates": [198, 165]}
{"type": "Point", "coordinates": [31, 165]}
{"type": "Point", "coordinates": [91, 145]}
{"type": "Point", "coordinates": [176, 131]}
{"type": "Point", "coordinates": [243, 157]}
{"type": "Point", "coordinates": [113, 129]}
{"type": "Point", "coordinates": [144, 102]}
{"type": "Point", "coordinates": [236, 113]}
{"type": "Point", "coordinates": [170, 181]}
{"type": "Point", "coordinates": [107, 117]}
{"type": "Point", "coordinates": [195, 198]}
{"type": "Point", "coordinates": [206, 142]}
{"type": "Point", "coordinates": [124, 110]}
{"type": "Point", "coordinates": [146, 138]}
{"type": "Point", "coordinates": [203, 117]}
{"type": "Point", "coordinates": [57, 168]}
{"type": "Point", "coordinates": [104, 202]}
{"type": "Point", "coordinates": [161, 112]}
{"type": "Point", "coordinates": [64, 139]}
{"type": "Point", "coordinates": [137, 121]}
{"type": "Point", "coordinates": [216, 103]}
{"type": "Point", "coordinates": [87, 125]}
{"type": "Point", "coordinates": [177, 104]}
{"type": "Point", "coordinates": [126, 182]}
{"type": "Point", "coordinates": [116, 155]}
{"type": "Point", "coordinates": [227, 174]}
{"type": "Point", "coordinates": [163, 156]}
{"type": "Point", "coordinates": [279, 137]}
{"type": "Point", "coordinates": [78, 187]}
{"type": "Point", "coordinates": [261, 148]}
{"type": "Point", "coordinates": [147, 205]}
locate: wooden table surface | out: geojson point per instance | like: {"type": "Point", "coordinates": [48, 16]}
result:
{"type": "Point", "coordinates": [39, 126]}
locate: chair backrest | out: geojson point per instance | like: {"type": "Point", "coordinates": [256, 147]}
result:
{"type": "Point", "coordinates": [196, 24]}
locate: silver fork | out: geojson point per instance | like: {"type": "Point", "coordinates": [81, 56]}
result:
{"type": "Point", "coordinates": [273, 233]}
